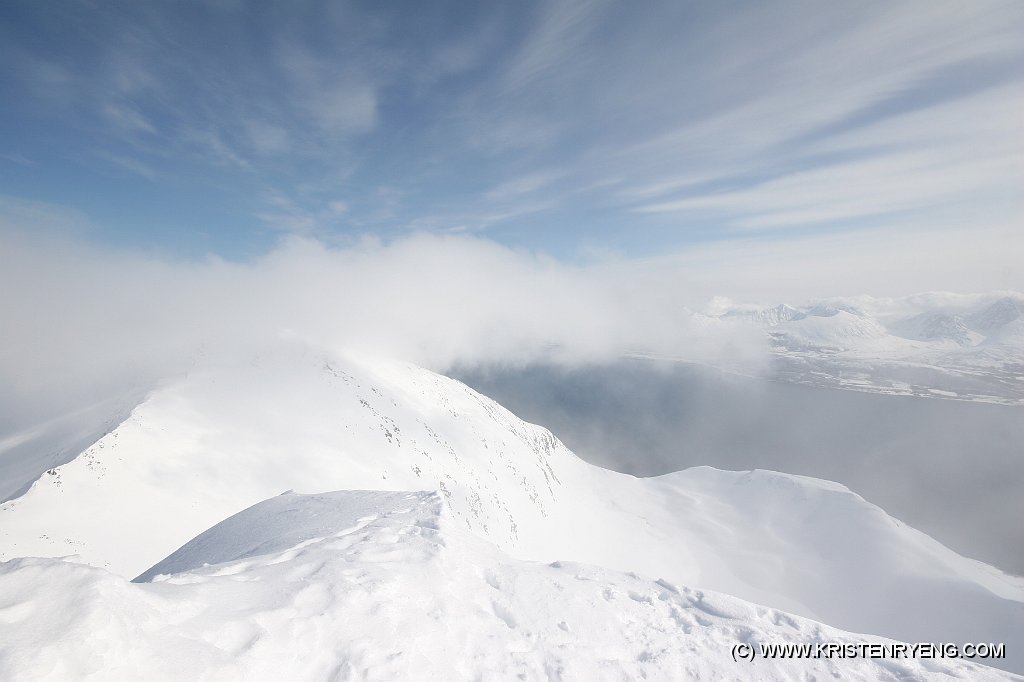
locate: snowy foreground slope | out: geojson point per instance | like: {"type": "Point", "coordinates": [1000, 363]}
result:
{"type": "Point", "coordinates": [231, 435]}
{"type": "Point", "coordinates": [385, 586]}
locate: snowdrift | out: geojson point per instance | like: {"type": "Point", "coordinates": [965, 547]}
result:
{"type": "Point", "coordinates": [386, 586]}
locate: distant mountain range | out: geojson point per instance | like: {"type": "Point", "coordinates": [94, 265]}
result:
{"type": "Point", "coordinates": [931, 345]}
{"type": "Point", "coordinates": [837, 324]}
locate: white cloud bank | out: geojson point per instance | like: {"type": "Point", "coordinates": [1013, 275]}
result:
{"type": "Point", "coordinates": [80, 320]}
{"type": "Point", "coordinates": [77, 315]}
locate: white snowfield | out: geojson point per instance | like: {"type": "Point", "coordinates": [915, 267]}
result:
{"type": "Point", "coordinates": [229, 436]}
{"type": "Point", "coordinates": [391, 586]}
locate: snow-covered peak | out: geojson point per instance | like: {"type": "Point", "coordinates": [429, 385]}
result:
{"type": "Point", "coordinates": [937, 327]}
{"type": "Point", "coordinates": [822, 310]}
{"type": "Point", "coordinates": [228, 436]}
{"type": "Point", "coordinates": [768, 316]}
{"type": "Point", "coordinates": [832, 328]}
{"type": "Point", "coordinates": [1000, 313]}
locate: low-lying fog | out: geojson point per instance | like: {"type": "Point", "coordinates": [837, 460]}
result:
{"type": "Point", "coordinates": [949, 468]}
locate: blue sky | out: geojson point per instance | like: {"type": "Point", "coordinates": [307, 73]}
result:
{"type": "Point", "coordinates": [586, 130]}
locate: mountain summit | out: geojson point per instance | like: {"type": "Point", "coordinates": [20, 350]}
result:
{"type": "Point", "coordinates": [230, 435]}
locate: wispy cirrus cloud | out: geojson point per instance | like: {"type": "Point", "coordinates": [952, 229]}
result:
{"type": "Point", "coordinates": [523, 185]}
{"type": "Point", "coordinates": [928, 161]}
{"type": "Point", "coordinates": [575, 124]}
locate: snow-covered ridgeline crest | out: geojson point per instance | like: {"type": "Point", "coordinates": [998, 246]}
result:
{"type": "Point", "coordinates": [297, 418]}
{"type": "Point", "coordinates": [383, 586]}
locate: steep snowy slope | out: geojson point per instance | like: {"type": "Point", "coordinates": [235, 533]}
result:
{"type": "Point", "coordinates": [832, 329]}
{"type": "Point", "coordinates": [1006, 310]}
{"type": "Point", "coordinates": [29, 450]}
{"type": "Point", "coordinates": [229, 436]}
{"type": "Point", "coordinates": [387, 586]}
{"type": "Point", "coordinates": [937, 327]}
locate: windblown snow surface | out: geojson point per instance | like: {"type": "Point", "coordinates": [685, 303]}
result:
{"type": "Point", "coordinates": [493, 574]}
{"type": "Point", "coordinates": [376, 585]}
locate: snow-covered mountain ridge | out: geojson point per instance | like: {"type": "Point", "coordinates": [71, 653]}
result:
{"type": "Point", "coordinates": [385, 586]}
{"type": "Point", "coordinates": [229, 436]}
